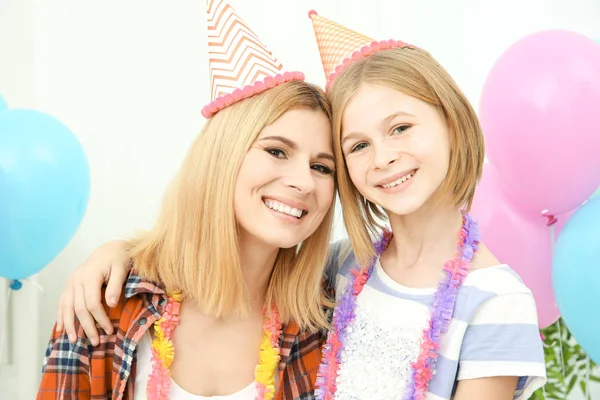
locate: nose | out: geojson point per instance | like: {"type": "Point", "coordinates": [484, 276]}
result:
{"type": "Point", "coordinates": [384, 156]}
{"type": "Point", "coordinates": [301, 178]}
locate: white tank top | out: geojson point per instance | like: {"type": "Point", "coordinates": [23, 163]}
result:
{"type": "Point", "coordinates": [144, 368]}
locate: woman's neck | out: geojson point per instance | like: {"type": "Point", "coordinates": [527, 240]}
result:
{"type": "Point", "coordinates": [257, 260]}
{"type": "Point", "coordinates": [256, 263]}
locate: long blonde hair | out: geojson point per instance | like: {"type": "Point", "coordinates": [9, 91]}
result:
{"type": "Point", "coordinates": [415, 73]}
{"type": "Point", "coordinates": [194, 245]}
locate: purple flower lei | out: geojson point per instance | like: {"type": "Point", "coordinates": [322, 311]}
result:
{"type": "Point", "coordinates": [442, 310]}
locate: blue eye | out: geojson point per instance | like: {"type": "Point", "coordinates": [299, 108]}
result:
{"type": "Point", "coordinates": [359, 147]}
{"type": "Point", "coordinates": [400, 129]}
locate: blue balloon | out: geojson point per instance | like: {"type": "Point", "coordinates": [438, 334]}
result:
{"type": "Point", "coordinates": [576, 276]}
{"type": "Point", "coordinates": [44, 190]}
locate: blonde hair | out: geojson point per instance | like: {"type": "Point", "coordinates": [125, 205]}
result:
{"type": "Point", "coordinates": [415, 73]}
{"type": "Point", "coordinates": [194, 245]}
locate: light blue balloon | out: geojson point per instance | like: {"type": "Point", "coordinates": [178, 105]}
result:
{"type": "Point", "coordinates": [44, 190]}
{"type": "Point", "coordinates": [576, 276]}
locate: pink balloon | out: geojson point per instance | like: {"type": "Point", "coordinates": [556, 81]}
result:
{"type": "Point", "coordinates": [524, 244]}
{"type": "Point", "coordinates": [540, 115]}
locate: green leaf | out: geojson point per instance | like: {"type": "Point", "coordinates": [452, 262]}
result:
{"type": "Point", "coordinates": [583, 386]}
{"type": "Point", "coordinates": [566, 364]}
{"type": "Point", "coordinates": [572, 383]}
{"type": "Point", "coordinates": [594, 378]}
{"type": "Point", "coordinates": [537, 395]}
{"type": "Point", "coordinates": [554, 374]}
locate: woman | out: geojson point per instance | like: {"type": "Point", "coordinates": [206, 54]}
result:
{"type": "Point", "coordinates": [221, 271]}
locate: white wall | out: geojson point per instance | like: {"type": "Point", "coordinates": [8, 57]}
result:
{"type": "Point", "coordinates": [130, 77]}
{"type": "Point", "coordinates": [17, 86]}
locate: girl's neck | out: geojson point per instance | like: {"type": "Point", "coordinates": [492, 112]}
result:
{"type": "Point", "coordinates": [424, 236]}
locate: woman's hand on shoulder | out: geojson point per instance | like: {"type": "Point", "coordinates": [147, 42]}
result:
{"type": "Point", "coordinates": [82, 295]}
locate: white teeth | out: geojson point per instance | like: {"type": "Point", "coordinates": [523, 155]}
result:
{"type": "Point", "coordinates": [398, 181]}
{"type": "Point", "coordinates": [283, 208]}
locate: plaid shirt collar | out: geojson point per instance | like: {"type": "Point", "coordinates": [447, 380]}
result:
{"type": "Point", "coordinates": [136, 286]}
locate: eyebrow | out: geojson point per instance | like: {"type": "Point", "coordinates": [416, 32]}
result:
{"type": "Point", "coordinates": [292, 145]}
{"type": "Point", "coordinates": [386, 121]}
{"type": "Point", "coordinates": [391, 117]}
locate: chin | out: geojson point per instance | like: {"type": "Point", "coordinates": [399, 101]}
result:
{"type": "Point", "coordinates": [402, 207]}
{"type": "Point", "coordinates": [288, 245]}
{"type": "Point", "coordinates": [283, 240]}
{"type": "Point", "coordinates": [282, 244]}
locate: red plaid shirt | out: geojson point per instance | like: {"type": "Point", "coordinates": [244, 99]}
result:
{"type": "Point", "coordinates": [107, 371]}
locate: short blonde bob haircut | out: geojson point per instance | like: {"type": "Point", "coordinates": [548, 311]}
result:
{"type": "Point", "coordinates": [416, 73]}
{"type": "Point", "coordinates": [194, 245]}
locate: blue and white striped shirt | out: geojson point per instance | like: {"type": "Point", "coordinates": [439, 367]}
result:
{"type": "Point", "coordinates": [494, 332]}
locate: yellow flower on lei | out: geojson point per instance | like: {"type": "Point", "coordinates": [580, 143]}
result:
{"type": "Point", "coordinates": [163, 346]}
{"type": "Point", "coordinates": [268, 359]}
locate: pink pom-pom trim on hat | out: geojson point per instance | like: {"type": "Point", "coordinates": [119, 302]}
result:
{"type": "Point", "coordinates": [364, 51]}
{"type": "Point", "coordinates": [248, 91]}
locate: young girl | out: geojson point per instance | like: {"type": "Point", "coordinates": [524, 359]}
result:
{"type": "Point", "coordinates": [413, 151]}
{"type": "Point", "coordinates": [424, 310]}
{"type": "Point", "coordinates": [221, 270]}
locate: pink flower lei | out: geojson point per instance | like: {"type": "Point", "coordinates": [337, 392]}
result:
{"type": "Point", "coordinates": [442, 310]}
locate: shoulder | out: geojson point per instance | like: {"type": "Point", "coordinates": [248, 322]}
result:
{"type": "Point", "coordinates": [69, 366]}
{"type": "Point", "coordinates": [340, 249]}
{"type": "Point", "coordinates": [484, 258]}
{"type": "Point", "coordinates": [66, 366]}
{"type": "Point", "coordinates": [340, 254]}
{"type": "Point", "coordinates": [501, 331]}
{"type": "Point", "coordinates": [126, 310]}
{"type": "Point", "coordinates": [490, 274]}
{"type": "Point", "coordinates": [81, 366]}
{"type": "Point", "coordinates": [495, 293]}
{"type": "Point", "coordinates": [502, 299]}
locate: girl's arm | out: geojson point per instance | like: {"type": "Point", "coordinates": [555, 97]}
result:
{"type": "Point", "coordinates": [495, 388]}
